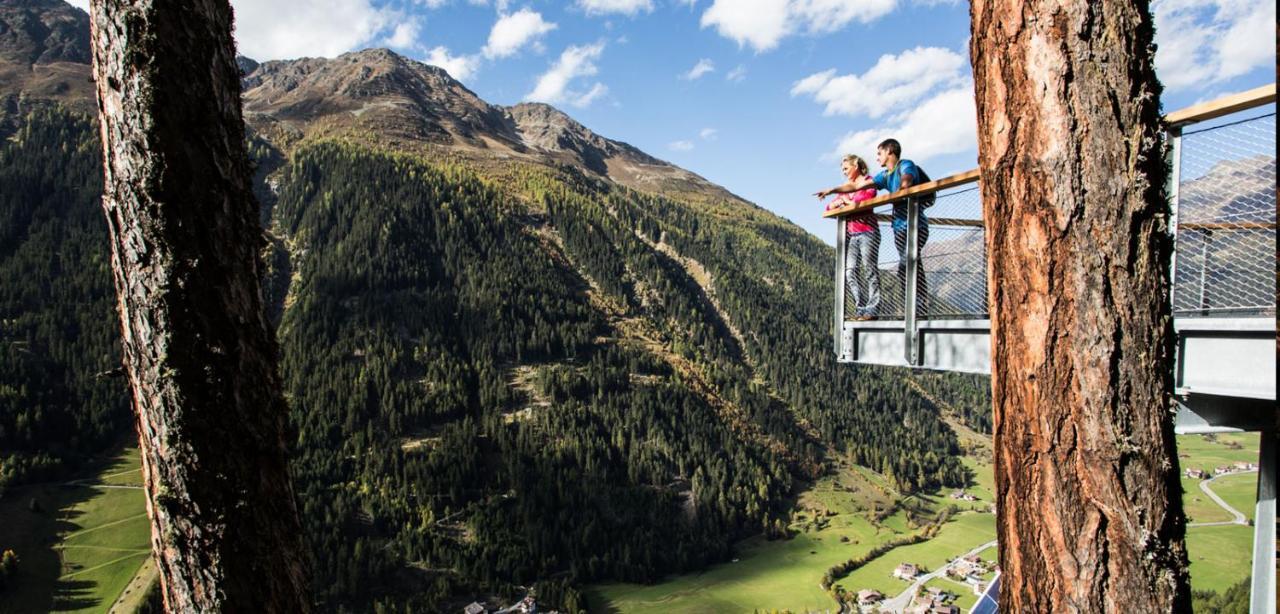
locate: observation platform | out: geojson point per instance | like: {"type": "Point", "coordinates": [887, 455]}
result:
{"type": "Point", "coordinates": [933, 306]}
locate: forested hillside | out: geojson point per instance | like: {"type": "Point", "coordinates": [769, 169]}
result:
{"type": "Point", "coordinates": [61, 397]}
{"type": "Point", "coordinates": [522, 380]}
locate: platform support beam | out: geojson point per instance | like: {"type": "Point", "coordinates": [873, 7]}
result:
{"type": "Point", "coordinates": [838, 318]}
{"type": "Point", "coordinates": [1262, 592]}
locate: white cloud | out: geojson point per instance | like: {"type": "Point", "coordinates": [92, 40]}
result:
{"type": "Point", "coordinates": [286, 29]}
{"type": "Point", "coordinates": [460, 67]}
{"type": "Point", "coordinates": [584, 100]}
{"type": "Point", "coordinates": [894, 81]}
{"type": "Point", "coordinates": [625, 7]}
{"type": "Point", "coordinates": [80, 4]}
{"type": "Point", "coordinates": [764, 23]}
{"type": "Point", "coordinates": [703, 67]}
{"type": "Point", "coordinates": [822, 16]}
{"type": "Point", "coordinates": [945, 124]}
{"type": "Point", "coordinates": [737, 74]}
{"type": "Point", "coordinates": [554, 85]}
{"type": "Point", "coordinates": [760, 23]}
{"type": "Point", "coordinates": [511, 32]}
{"type": "Point", "coordinates": [813, 83]}
{"type": "Point", "coordinates": [680, 145]}
{"type": "Point", "coordinates": [1205, 42]}
{"type": "Point", "coordinates": [707, 134]}
{"type": "Point", "coordinates": [405, 36]}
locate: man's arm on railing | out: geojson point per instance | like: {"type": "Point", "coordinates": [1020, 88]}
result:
{"type": "Point", "coordinates": [860, 183]}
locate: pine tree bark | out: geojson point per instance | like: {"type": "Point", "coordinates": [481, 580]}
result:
{"type": "Point", "coordinates": [1073, 175]}
{"type": "Point", "coordinates": [201, 359]}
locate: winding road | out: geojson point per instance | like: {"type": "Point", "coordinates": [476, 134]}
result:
{"type": "Point", "coordinates": [1238, 518]}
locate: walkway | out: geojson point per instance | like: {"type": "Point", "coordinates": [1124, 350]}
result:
{"type": "Point", "coordinates": [900, 603]}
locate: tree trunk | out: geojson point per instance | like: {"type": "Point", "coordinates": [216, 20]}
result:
{"type": "Point", "coordinates": [1073, 176]}
{"type": "Point", "coordinates": [201, 359]}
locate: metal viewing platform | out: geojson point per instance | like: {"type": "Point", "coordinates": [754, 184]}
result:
{"type": "Point", "coordinates": [933, 303]}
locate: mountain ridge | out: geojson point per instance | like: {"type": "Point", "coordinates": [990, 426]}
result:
{"type": "Point", "coordinates": [415, 102]}
{"type": "Point", "coordinates": [44, 56]}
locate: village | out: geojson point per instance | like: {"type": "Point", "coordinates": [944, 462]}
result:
{"type": "Point", "coordinates": [1236, 467]}
{"type": "Point", "coordinates": [528, 605]}
{"type": "Point", "coordinates": [969, 573]}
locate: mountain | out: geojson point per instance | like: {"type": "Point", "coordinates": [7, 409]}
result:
{"type": "Point", "coordinates": [517, 353]}
{"type": "Point", "coordinates": [411, 104]}
{"type": "Point", "coordinates": [44, 54]}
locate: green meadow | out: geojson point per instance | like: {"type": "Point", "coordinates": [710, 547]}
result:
{"type": "Point", "coordinates": [965, 599]}
{"type": "Point", "coordinates": [962, 534]}
{"type": "Point", "coordinates": [1209, 451]}
{"type": "Point", "coordinates": [82, 542]}
{"type": "Point", "coordinates": [833, 522]}
{"type": "Point", "coordinates": [1239, 491]}
{"type": "Point", "coordinates": [79, 543]}
{"type": "Point", "coordinates": [1220, 556]}
{"type": "Point", "coordinates": [1198, 506]}
{"type": "Point", "coordinates": [784, 574]}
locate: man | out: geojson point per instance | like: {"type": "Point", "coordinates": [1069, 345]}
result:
{"type": "Point", "coordinates": [898, 175]}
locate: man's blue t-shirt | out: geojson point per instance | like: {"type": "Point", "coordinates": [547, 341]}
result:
{"type": "Point", "coordinates": [891, 181]}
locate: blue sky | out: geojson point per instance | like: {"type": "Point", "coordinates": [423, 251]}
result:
{"type": "Point", "coordinates": [756, 95]}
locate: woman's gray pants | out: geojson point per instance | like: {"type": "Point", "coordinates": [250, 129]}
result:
{"type": "Point", "coordinates": [862, 272]}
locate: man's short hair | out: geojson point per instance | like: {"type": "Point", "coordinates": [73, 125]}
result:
{"type": "Point", "coordinates": [892, 146]}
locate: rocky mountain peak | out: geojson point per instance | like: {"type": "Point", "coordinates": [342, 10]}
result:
{"type": "Point", "coordinates": [44, 56]}
{"type": "Point", "coordinates": [42, 32]}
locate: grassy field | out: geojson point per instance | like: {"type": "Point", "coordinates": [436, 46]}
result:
{"type": "Point", "coordinates": [784, 574]}
{"type": "Point", "coordinates": [1210, 451]}
{"type": "Point", "coordinates": [965, 599]}
{"type": "Point", "coordinates": [956, 537]}
{"type": "Point", "coordinates": [1198, 506]}
{"type": "Point", "coordinates": [775, 574]}
{"type": "Point", "coordinates": [79, 543]}
{"type": "Point", "coordinates": [1220, 556]}
{"type": "Point", "coordinates": [1239, 491]}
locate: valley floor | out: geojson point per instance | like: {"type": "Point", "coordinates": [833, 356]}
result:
{"type": "Point", "coordinates": [85, 544]}
{"type": "Point", "coordinates": [783, 575]}
{"type": "Point", "coordinates": [81, 544]}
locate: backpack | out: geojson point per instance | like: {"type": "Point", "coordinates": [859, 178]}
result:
{"type": "Point", "coordinates": [926, 201]}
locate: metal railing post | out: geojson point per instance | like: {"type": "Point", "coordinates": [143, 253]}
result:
{"type": "Point", "coordinates": [1262, 592]}
{"type": "Point", "coordinates": [1171, 189]}
{"type": "Point", "coordinates": [1204, 271]}
{"type": "Point", "coordinates": [909, 286]}
{"type": "Point", "coordinates": [841, 247]}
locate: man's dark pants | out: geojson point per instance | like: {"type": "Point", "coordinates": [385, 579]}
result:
{"type": "Point", "coordinates": [922, 284]}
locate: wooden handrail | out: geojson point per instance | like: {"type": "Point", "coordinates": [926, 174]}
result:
{"type": "Point", "coordinates": [924, 188]}
{"type": "Point", "coordinates": [1209, 110]}
{"type": "Point", "coordinates": [1223, 106]}
{"type": "Point", "coordinates": [1227, 226]}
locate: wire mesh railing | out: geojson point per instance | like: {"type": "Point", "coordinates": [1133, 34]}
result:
{"type": "Point", "coordinates": [1226, 234]}
{"type": "Point", "coordinates": [953, 259]}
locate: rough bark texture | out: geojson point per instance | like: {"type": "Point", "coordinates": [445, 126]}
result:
{"type": "Point", "coordinates": [1073, 175]}
{"type": "Point", "coordinates": [201, 359]}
